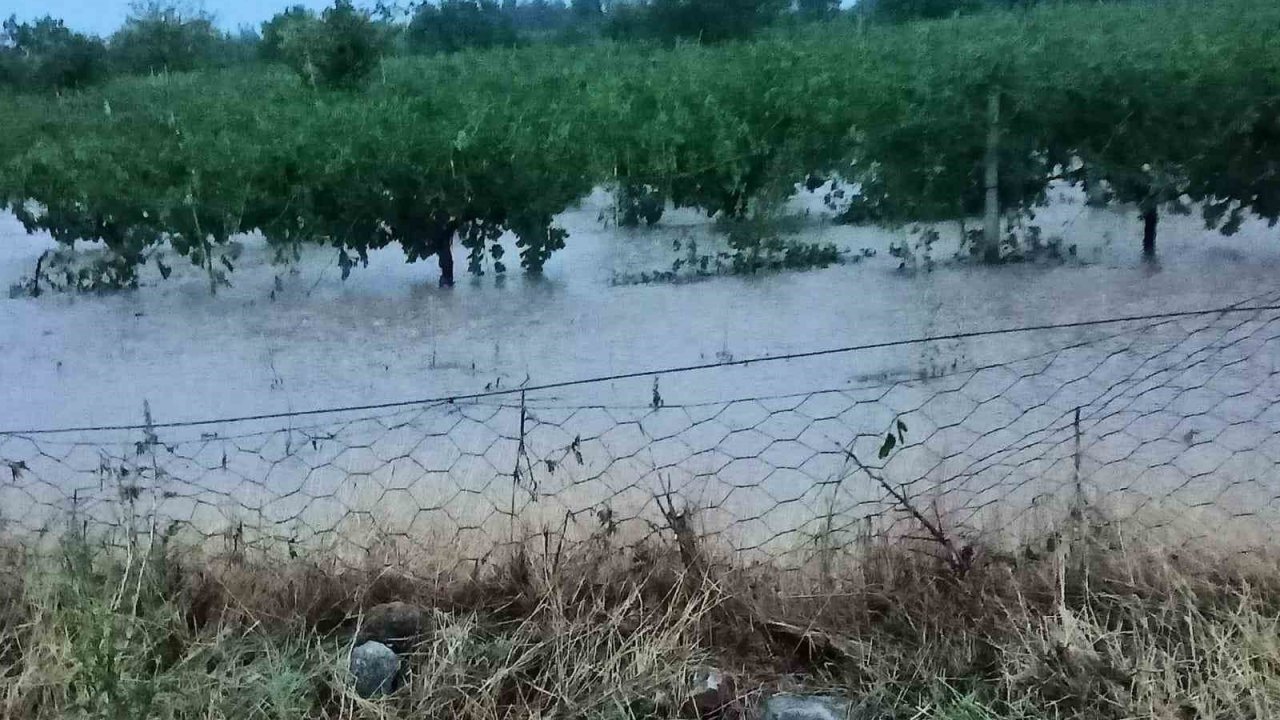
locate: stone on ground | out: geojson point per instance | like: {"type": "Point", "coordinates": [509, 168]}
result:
{"type": "Point", "coordinates": [789, 706]}
{"type": "Point", "coordinates": [374, 669]}
{"type": "Point", "coordinates": [715, 697]}
{"type": "Point", "coordinates": [785, 706]}
{"type": "Point", "coordinates": [400, 626]}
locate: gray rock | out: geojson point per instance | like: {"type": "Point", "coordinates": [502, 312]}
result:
{"type": "Point", "coordinates": [374, 669]}
{"type": "Point", "coordinates": [714, 697]}
{"type": "Point", "coordinates": [789, 706]}
{"type": "Point", "coordinates": [400, 626]}
{"type": "Point", "coordinates": [785, 706]}
{"type": "Point", "coordinates": [708, 678]}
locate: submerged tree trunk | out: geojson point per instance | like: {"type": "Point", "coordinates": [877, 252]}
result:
{"type": "Point", "coordinates": [35, 279]}
{"type": "Point", "coordinates": [991, 214]}
{"type": "Point", "coordinates": [1150, 221]}
{"type": "Point", "coordinates": [444, 254]}
{"type": "Point", "coordinates": [443, 242]}
{"type": "Point", "coordinates": [1095, 195]}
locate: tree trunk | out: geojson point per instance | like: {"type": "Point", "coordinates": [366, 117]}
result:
{"type": "Point", "coordinates": [35, 279]}
{"type": "Point", "coordinates": [1150, 221]}
{"type": "Point", "coordinates": [991, 215]}
{"type": "Point", "coordinates": [443, 246]}
{"type": "Point", "coordinates": [1095, 194]}
{"type": "Point", "coordinates": [444, 254]}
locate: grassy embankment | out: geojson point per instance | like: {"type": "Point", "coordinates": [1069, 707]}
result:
{"type": "Point", "coordinates": [1096, 628]}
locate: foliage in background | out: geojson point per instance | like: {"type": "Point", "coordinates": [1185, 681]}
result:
{"type": "Point", "coordinates": [897, 11]}
{"type": "Point", "coordinates": [280, 30]}
{"type": "Point", "coordinates": [1171, 104]}
{"type": "Point", "coordinates": [455, 25]}
{"type": "Point", "coordinates": [817, 10]}
{"type": "Point", "coordinates": [904, 10]}
{"type": "Point", "coordinates": [535, 18]}
{"type": "Point", "coordinates": [46, 55]}
{"type": "Point", "coordinates": [698, 20]}
{"type": "Point", "coordinates": [158, 38]}
{"type": "Point", "coordinates": [339, 50]}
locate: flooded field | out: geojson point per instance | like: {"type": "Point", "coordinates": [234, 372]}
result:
{"type": "Point", "coordinates": [1175, 416]}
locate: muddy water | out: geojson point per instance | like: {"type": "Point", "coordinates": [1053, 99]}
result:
{"type": "Point", "coordinates": [389, 334]}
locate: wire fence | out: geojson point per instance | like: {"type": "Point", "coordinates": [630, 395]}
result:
{"type": "Point", "coordinates": [1170, 423]}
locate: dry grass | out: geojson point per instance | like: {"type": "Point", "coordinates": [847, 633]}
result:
{"type": "Point", "coordinates": [1099, 630]}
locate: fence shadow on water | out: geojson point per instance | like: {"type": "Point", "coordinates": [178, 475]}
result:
{"type": "Point", "coordinates": [1169, 423]}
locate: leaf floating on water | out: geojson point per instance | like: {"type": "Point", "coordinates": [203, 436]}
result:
{"type": "Point", "coordinates": [890, 441]}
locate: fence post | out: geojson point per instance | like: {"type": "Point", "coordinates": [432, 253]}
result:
{"type": "Point", "coordinates": [515, 472]}
{"type": "Point", "coordinates": [991, 178]}
{"type": "Point", "coordinates": [1079, 510]}
{"type": "Point", "coordinates": [1078, 504]}
{"type": "Point", "coordinates": [75, 512]}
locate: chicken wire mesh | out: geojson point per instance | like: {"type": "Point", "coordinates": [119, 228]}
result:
{"type": "Point", "coordinates": [1168, 423]}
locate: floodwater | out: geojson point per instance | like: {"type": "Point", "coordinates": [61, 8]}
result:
{"type": "Point", "coordinates": [388, 333]}
{"type": "Point", "coordinates": [298, 338]}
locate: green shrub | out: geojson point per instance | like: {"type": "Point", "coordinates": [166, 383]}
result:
{"type": "Point", "coordinates": [340, 50]}
{"type": "Point", "coordinates": [159, 38]}
{"type": "Point", "coordinates": [277, 30]}
{"type": "Point", "coordinates": [459, 24]}
{"type": "Point", "coordinates": [904, 10]}
{"type": "Point", "coordinates": [700, 20]}
{"type": "Point", "coordinates": [47, 55]}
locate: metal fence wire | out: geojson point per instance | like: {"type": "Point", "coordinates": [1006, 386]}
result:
{"type": "Point", "coordinates": [1171, 424]}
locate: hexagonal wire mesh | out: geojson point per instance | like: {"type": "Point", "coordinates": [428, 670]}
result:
{"type": "Point", "coordinates": [1168, 422]}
